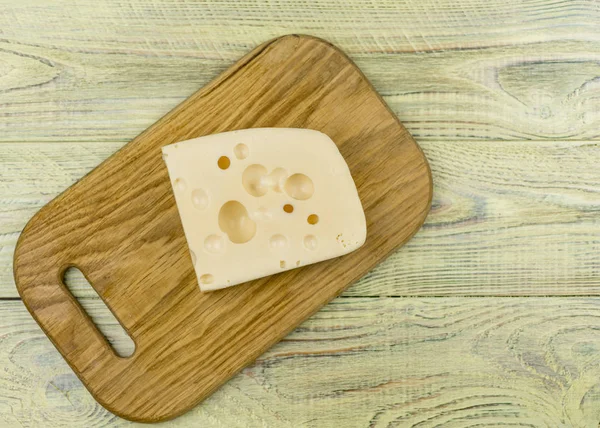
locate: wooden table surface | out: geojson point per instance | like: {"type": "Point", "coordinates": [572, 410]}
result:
{"type": "Point", "coordinates": [490, 316]}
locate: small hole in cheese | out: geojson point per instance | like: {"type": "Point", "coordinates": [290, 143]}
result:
{"type": "Point", "coordinates": [313, 219]}
{"type": "Point", "coordinates": [241, 151]}
{"type": "Point", "coordinates": [288, 208]}
{"type": "Point", "coordinates": [278, 241]}
{"type": "Point", "coordinates": [180, 184]}
{"type": "Point", "coordinates": [223, 162]}
{"type": "Point", "coordinates": [200, 199]}
{"type": "Point", "coordinates": [311, 242]}
{"type": "Point", "coordinates": [207, 278]}
{"type": "Point", "coordinates": [282, 264]}
{"type": "Point", "coordinates": [214, 244]}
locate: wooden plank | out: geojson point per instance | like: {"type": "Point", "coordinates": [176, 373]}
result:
{"type": "Point", "coordinates": [105, 71]}
{"type": "Point", "coordinates": [362, 362]}
{"type": "Point", "coordinates": [508, 218]}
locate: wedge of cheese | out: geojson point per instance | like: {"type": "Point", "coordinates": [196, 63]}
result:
{"type": "Point", "coordinates": [256, 202]}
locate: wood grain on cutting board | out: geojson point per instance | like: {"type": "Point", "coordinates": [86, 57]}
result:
{"type": "Point", "coordinates": [119, 225]}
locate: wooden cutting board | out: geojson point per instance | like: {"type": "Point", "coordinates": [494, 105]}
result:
{"type": "Point", "coordinates": [119, 225]}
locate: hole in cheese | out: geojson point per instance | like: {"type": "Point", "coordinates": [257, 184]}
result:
{"type": "Point", "coordinates": [200, 199]}
{"type": "Point", "coordinates": [223, 162]}
{"type": "Point", "coordinates": [311, 242]}
{"type": "Point", "coordinates": [207, 278]}
{"type": "Point", "coordinates": [282, 264]}
{"type": "Point", "coordinates": [180, 184]}
{"type": "Point", "coordinates": [235, 222]}
{"type": "Point", "coordinates": [254, 180]}
{"type": "Point", "coordinates": [214, 244]}
{"type": "Point", "coordinates": [288, 208]}
{"type": "Point", "coordinates": [277, 179]}
{"type": "Point", "coordinates": [262, 214]}
{"type": "Point", "coordinates": [241, 151]}
{"type": "Point", "coordinates": [278, 241]}
{"type": "Point", "coordinates": [299, 186]}
{"type": "Point", "coordinates": [313, 219]}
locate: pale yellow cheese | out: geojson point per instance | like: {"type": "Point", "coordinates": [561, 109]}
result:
{"type": "Point", "coordinates": [256, 202]}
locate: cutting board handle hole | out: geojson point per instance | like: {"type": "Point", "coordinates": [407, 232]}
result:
{"type": "Point", "coordinates": [101, 316]}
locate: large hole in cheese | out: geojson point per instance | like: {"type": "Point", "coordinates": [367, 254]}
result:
{"type": "Point", "coordinates": [254, 180]}
{"type": "Point", "coordinates": [257, 181]}
{"type": "Point", "coordinates": [236, 223]}
{"type": "Point", "coordinates": [299, 186]}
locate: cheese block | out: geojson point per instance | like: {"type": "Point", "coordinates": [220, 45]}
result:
{"type": "Point", "coordinates": [256, 202]}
